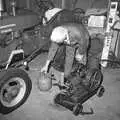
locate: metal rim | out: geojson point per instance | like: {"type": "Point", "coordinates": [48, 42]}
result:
{"type": "Point", "coordinates": [12, 92]}
{"type": "Point", "coordinates": [96, 80]}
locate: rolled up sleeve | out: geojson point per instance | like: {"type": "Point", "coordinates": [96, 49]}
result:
{"type": "Point", "coordinates": [52, 51]}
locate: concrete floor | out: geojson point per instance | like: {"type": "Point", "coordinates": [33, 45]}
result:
{"type": "Point", "coordinates": [39, 107]}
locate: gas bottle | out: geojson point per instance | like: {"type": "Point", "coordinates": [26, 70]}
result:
{"type": "Point", "coordinates": [44, 81]}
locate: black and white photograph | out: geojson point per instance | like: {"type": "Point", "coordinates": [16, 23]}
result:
{"type": "Point", "coordinates": [59, 59]}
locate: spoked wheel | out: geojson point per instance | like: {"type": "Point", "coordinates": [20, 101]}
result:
{"type": "Point", "coordinates": [79, 11]}
{"type": "Point", "coordinates": [95, 78]}
{"type": "Point", "coordinates": [79, 14]}
{"type": "Point", "coordinates": [15, 87]}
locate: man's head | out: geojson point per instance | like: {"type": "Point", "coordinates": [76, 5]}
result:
{"type": "Point", "coordinates": [60, 35]}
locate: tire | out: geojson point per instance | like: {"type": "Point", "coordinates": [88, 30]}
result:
{"type": "Point", "coordinates": [15, 88]}
{"type": "Point", "coordinates": [77, 109]}
{"type": "Point", "coordinates": [95, 77]}
{"type": "Point", "coordinates": [100, 91]}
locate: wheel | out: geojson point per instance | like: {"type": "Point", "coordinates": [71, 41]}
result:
{"type": "Point", "coordinates": [100, 91]}
{"type": "Point", "coordinates": [95, 78]}
{"type": "Point", "coordinates": [79, 14]}
{"type": "Point", "coordinates": [15, 87]}
{"type": "Point", "coordinates": [79, 10]}
{"type": "Point", "coordinates": [77, 109]}
{"type": "Point", "coordinates": [59, 97]}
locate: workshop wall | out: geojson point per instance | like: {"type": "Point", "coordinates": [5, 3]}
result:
{"type": "Point", "coordinates": [85, 4]}
{"type": "Point", "coordinates": [69, 4]}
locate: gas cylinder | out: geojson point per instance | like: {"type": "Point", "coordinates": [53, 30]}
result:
{"type": "Point", "coordinates": [44, 82]}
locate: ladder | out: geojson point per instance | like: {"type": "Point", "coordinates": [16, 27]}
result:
{"type": "Point", "coordinates": [112, 10]}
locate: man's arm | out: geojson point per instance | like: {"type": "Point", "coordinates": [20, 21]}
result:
{"type": "Point", "coordinates": [51, 54]}
{"type": "Point", "coordinates": [52, 51]}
